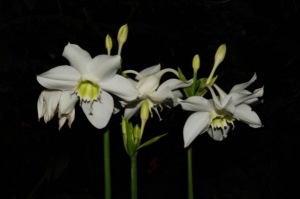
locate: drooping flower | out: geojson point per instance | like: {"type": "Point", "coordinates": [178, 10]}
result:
{"type": "Point", "coordinates": [217, 115]}
{"type": "Point", "coordinates": [48, 106]}
{"type": "Point", "coordinates": [89, 80]}
{"type": "Point", "coordinates": [147, 82]}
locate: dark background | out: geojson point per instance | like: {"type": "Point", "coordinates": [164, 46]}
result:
{"type": "Point", "coordinates": [261, 36]}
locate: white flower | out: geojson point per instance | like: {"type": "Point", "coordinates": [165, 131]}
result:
{"type": "Point", "coordinates": [150, 90]}
{"type": "Point", "coordinates": [216, 116]}
{"type": "Point", "coordinates": [90, 81]}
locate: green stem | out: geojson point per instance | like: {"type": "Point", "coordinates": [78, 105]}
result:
{"type": "Point", "coordinates": [190, 173]}
{"type": "Point", "coordinates": [133, 177]}
{"type": "Point", "coordinates": [194, 83]}
{"type": "Point", "coordinates": [107, 181]}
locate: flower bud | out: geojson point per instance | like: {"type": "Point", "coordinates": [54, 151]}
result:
{"type": "Point", "coordinates": [219, 57]}
{"type": "Point", "coordinates": [124, 124]}
{"type": "Point", "coordinates": [145, 110]}
{"type": "Point", "coordinates": [108, 44]}
{"type": "Point", "coordinates": [137, 132]}
{"type": "Point", "coordinates": [196, 63]}
{"type": "Point", "coordinates": [220, 54]}
{"type": "Point", "coordinates": [122, 34]}
{"type": "Point", "coordinates": [122, 37]}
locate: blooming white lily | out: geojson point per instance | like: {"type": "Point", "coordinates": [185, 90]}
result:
{"type": "Point", "coordinates": [90, 81]}
{"type": "Point", "coordinates": [216, 116]}
{"type": "Point", "coordinates": [150, 90]}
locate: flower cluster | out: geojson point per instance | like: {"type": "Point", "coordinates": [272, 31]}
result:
{"type": "Point", "coordinates": [97, 85]}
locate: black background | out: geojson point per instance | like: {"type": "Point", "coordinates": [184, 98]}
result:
{"type": "Point", "coordinates": [261, 37]}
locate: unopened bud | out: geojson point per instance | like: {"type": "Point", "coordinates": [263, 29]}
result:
{"type": "Point", "coordinates": [145, 110]}
{"type": "Point", "coordinates": [124, 125]}
{"type": "Point", "coordinates": [122, 37]}
{"type": "Point", "coordinates": [219, 57]}
{"type": "Point", "coordinates": [220, 54]}
{"type": "Point", "coordinates": [108, 44]}
{"type": "Point", "coordinates": [137, 132]}
{"type": "Point", "coordinates": [196, 63]}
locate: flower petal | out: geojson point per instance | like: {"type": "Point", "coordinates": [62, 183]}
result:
{"type": "Point", "coordinates": [195, 125]}
{"type": "Point", "coordinates": [104, 67]}
{"type": "Point", "coordinates": [175, 84]}
{"type": "Point", "coordinates": [61, 78]}
{"type": "Point", "coordinates": [51, 99]}
{"type": "Point", "coordinates": [223, 102]}
{"type": "Point", "coordinates": [41, 106]}
{"type": "Point", "coordinates": [239, 87]}
{"type": "Point", "coordinates": [177, 94]}
{"type": "Point", "coordinates": [239, 98]}
{"type": "Point", "coordinates": [217, 134]}
{"type": "Point", "coordinates": [250, 101]}
{"type": "Point", "coordinates": [244, 113]}
{"type": "Point", "coordinates": [164, 94]}
{"type": "Point", "coordinates": [197, 103]}
{"type": "Point", "coordinates": [100, 111]}
{"type": "Point", "coordinates": [67, 102]}
{"type": "Point", "coordinates": [149, 71]}
{"type": "Point", "coordinates": [121, 87]}
{"type": "Point", "coordinates": [132, 108]}
{"type": "Point", "coordinates": [70, 117]}
{"type": "Point", "coordinates": [77, 57]}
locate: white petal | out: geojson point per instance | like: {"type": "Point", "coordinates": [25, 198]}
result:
{"type": "Point", "coordinates": [175, 84]}
{"type": "Point", "coordinates": [51, 99]}
{"type": "Point", "coordinates": [197, 103]}
{"type": "Point", "coordinates": [250, 101]}
{"type": "Point", "coordinates": [132, 108]}
{"type": "Point", "coordinates": [67, 102]}
{"type": "Point", "coordinates": [77, 57]}
{"type": "Point", "coordinates": [227, 104]}
{"type": "Point", "coordinates": [104, 67]}
{"type": "Point", "coordinates": [221, 93]}
{"type": "Point", "coordinates": [41, 106]}
{"type": "Point", "coordinates": [147, 85]}
{"type": "Point", "coordinates": [70, 117]}
{"type": "Point", "coordinates": [121, 87]}
{"type": "Point", "coordinates": [239, 98]}
{"type": "Point", "coordinates": [195, 125]}
{"type": "Point", "coordinates": [177, 94]}
{"type": "Point", "coordinates": [244, 113]}
{"type": "Point", "coordinates": [239, 87]}
{"type": "Point", "coordinates": [217, 134]}
{"type": "Point", "coordinates": [222, 102]}
{"type": "Point", "coordinates": [61, 78]}
{"type": "Point", "coordinates": [61, 122]}
{"type": "Point", "coordinates": [164, 94]}
{"type": "Point", "coordinates": [100, 112]}
{"type": "Point", "coordinates": [149, 71]}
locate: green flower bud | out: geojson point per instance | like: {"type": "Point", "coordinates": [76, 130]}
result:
{"type": "Point", "coordinates": [219, 57]}
{"type": "Point", "coordinates": [145, 110]}
{"type": "Point", "coordinates": [196, 63]}
{"type": "Point", "coordinates": [137, 133]}
{"type": "Point", "coordinates": [122, 34]}
{"type": "Point", "coordinates": [108, 44]}
{"type": "Point", "coordinates": [220, 54]}
{"type": "Point", "coordinates": [122, 37]}
{"type": "Point", "coordinates": [124, 125]}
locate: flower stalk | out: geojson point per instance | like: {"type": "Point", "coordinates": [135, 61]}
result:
{"type": "Point", "coordinates": [107, 173]}
{"type": "Point", "coordinates": [190, 173]}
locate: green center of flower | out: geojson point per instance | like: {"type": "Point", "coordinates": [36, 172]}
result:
{"type": "Point", "coordinates": [221, 120]}
{"type": "Point", "coordinates": [88, 91]}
